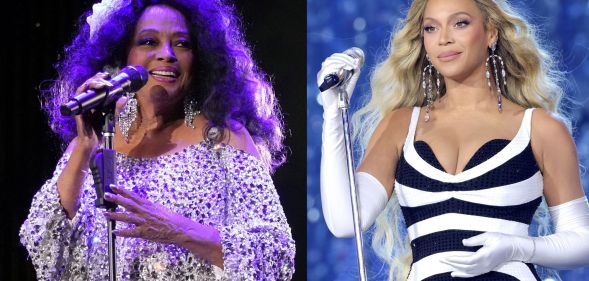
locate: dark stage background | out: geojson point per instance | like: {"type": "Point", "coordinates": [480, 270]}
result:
{"type": "Point", "coordinates": [33, 36]}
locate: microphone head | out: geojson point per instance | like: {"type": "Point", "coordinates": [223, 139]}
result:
{"type": "Point", "coordinates": [131, 78]}
{"type": "Point", "coordinates": [356, 53]}
{"type": "Point", "coordinates": [137, 76]}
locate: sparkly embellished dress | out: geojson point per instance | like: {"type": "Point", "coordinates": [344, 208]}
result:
{"type": "Point", "coordinates": [227, 189]}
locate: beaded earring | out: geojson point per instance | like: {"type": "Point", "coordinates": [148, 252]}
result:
{"type": "Point", "coordinates": [190, 111]}
{"type": "Point", "coordinates": [494, 58]}
{"type": "Point", "coordinates": [426, 84]}
{"type": "Point", "coordinates": [128, 115]}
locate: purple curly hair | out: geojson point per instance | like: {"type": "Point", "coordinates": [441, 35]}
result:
{"type": "Point", "coordinates": [228, 84]}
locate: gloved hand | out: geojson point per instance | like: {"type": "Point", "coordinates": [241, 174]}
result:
{"type": "Point", "coordinates": [497, 249]}
{"type": "Point", "coordinates": [333, 64]}
{"type": "Point", "coordinates": [335, 190]}
{"type": "Point", "coordinates": [567, 248]}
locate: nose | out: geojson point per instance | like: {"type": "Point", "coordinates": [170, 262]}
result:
{"type": "Point", "coordinates": [166, 53]}
{"type": "Point", "coordinates": [445, 36]}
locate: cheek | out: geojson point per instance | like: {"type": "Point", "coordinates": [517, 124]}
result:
{"type": "Point", "coordinates": [187, 65]}
{"type": "Point", "coordinates": [135, 57]}
{"type": "Point", "coordinates": [476, 42]}
{"type": "Point", "coordinates": [428, 43]}
{"type": "Point", "coordinates": [187, 62]}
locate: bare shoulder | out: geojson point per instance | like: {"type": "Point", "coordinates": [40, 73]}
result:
{"type": "Point", "coordinates": [394, 126]}
{"type": "Point", "coordinates": [398, 116]}
{"type": "Point", "coordinates": [550, 135]}
{"type": "Point", "coordinates": [545, 120]}
{"type": "Point", "coordinates": [239, 137]}
{"type": "Point", "coordinates": [547, 127]}
{"type": "Point", "coordinates": [235, 134]}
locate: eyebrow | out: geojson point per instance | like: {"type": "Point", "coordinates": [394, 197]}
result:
{"type": "Point", "coordinates": [152, 30]}
{"type": "Point", "coordinates": [451, 16]}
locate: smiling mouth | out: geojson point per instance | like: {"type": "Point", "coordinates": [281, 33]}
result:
{"type": "Point", "coordinates": [165, 74]}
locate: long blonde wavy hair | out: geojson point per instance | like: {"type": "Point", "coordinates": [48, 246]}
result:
{"type": "Point", "coordinates": [533, 81]}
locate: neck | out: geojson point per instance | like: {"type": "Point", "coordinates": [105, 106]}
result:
{"type": "Point", "coordinates": [153, 119]}
{"type": "Point", "coordinates": [468, 94]}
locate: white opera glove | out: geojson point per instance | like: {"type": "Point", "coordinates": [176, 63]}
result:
{"type": "Point", "coordinates": [335, 191]}
{"type": "Point", "coordinates": [568, 247]}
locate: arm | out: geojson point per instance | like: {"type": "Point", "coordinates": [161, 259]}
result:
{"type": "Point", "coordinates": [375, 175]}
{"type": "Point", "coordinates": [557, 156]}
{"type": "Point", "coordinates": [71, 178]}
{"type": "Point", "coordinates": [334, 180]}
{"type": "Point", "coordinates": [81, 149]}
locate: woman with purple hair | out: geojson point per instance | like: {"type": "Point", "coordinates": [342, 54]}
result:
{"type": "Point", "coordinates": [195, 149]}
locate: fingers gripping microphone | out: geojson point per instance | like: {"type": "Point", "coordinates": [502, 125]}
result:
{"type": "Point", "coordinates": [335, 79]}
{"type": "Point", "coordinates": [129, 79]}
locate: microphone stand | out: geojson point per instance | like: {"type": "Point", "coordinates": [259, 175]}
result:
{"type": "Point", "coordinates": [103, 166]}
{"type": "Point", "coordinates": [344, 105]}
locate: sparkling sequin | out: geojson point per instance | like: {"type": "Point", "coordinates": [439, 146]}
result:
{"type": "Point", "coordinates": [225, 188]}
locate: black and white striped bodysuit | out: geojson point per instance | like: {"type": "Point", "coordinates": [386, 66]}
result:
{"type": "Point", "coordinates": [498, 191]}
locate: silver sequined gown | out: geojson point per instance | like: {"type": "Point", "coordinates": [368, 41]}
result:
{"type": "Point", "coordinates": [227, 188]}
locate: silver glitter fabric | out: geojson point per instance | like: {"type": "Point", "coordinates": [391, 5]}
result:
{"type": "Point", "coordinates": [225, 188]}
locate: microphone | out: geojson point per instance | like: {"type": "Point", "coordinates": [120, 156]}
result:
{"type": "Point", "coordinates": [335, 79]}
{"type": "Point", "coordinates": [129, 79]}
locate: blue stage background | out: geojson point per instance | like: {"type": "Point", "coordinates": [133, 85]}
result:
{"type": "Point", "coordinates": [334, 26]}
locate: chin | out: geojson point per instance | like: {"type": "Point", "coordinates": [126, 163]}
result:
{"type": "Point", "coordinates": [450, 73]}
{"type": "Point", "coordinates": [457, 73]}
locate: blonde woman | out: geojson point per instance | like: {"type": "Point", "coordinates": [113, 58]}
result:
{"type": "Point", "coordinates": [463, 141]}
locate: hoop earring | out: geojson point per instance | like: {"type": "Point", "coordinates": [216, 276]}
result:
{"type": "Point", "coordinates": [494, 58]}
{"type": "Point", "coordinates": [427, 86]}
{"type": "Point", "coordinates": [190, 111]}
{"type": "Point", "coordinates": [128, 116]}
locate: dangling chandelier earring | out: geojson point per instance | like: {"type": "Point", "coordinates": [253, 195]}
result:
{"type": "Point", "coordinates": [190, 111]}
{"type": "Point", "coordinates": [128, 115]}
{"type": "Point", "coordinates": [427, 86]}
{"type": "Point", "coordinates": [494, 57]}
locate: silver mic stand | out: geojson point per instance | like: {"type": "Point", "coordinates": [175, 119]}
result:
{"type": "Point", "coordinates": [344, 106]}
{"type": "Point", "coordinates": [103, 166]}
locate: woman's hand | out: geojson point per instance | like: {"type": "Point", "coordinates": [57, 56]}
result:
{"type": "Point", "coordinates": [156, 223]}
{"type": "Point", "coordinates": [336, 63]}
{"type": "Point", "coordinates": [87, 138]}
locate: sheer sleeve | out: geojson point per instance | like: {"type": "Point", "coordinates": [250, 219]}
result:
{"type": "Point", "coordinates": [256, 238]}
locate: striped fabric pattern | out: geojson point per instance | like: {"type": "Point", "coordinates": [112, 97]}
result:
{"type": "Point", "coordinates": [498, 191]}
